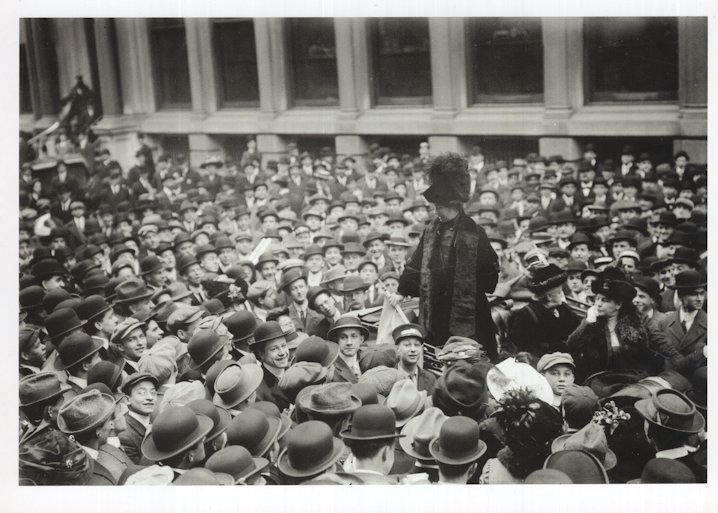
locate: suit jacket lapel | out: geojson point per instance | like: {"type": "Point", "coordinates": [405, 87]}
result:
{"type": "Point", "coordinates": [698, 329]}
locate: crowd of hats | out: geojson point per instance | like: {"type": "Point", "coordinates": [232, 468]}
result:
{"type": "Point", "coordinates": [178, 287]}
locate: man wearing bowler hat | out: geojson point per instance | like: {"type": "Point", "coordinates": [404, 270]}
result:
{"type": "Point", "coordinates": [294, 283]}
{"type": "Point", "coordinates": [454, 266]}
{"type": "Point", "coordinates": [371, 439]}
{"type": "Point", "coordinates": [409, 340]}
{"type": "Point", "coordinates": [77, 353]}
{"type": "Point", "coordinates": [133, 296]}
{"type": "Point", "coordinates": [457, 450]}
{"type": "Point", "coordinates": [177, 439]}
{"type": "Point", "coordinates": [687, 328]}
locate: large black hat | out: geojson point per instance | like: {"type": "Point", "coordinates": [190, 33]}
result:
{"type": "Point", "coordinates": [449, 179]}
{"type": "Point", "coordinates": [546, 278]}
{"type": "Point", "coordinates": [613, 284]}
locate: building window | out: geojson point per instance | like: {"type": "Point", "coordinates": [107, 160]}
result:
{"type": "Point", "coordinates": [401, 67]}
{"type": "Point", "coordinates": [171, 66]}
{"type": "Point", "coordinates": [632, 59]}
{"type": "Point", "coordinates": [314, 61]}
{"type": "Point", "coordinates": [236, 54]}
{"type": "Point", "coordinates": [506, 60]}
{"type": "Point", "coordinates": [25, 93]}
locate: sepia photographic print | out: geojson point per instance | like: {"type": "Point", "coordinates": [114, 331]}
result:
{"type": "Point", "coordinates": [296, 248]}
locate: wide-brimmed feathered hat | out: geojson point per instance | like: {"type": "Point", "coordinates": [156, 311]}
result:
{"type": "Point", "coordinates": [546, 277]}
{"type": "Point", "coordinates": [449, 179]}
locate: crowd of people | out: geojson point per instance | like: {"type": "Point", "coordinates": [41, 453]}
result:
{"type": "Point", "coordinates": [389, 319]}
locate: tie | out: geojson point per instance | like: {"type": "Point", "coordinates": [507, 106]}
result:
{"type": "Point", "coordinates": [685, 326]}
{"type": "Point", "coordinates": [303, 317]}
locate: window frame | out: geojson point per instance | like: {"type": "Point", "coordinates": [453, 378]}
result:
{"type": "Point", "coordinates": [394, 101]}
{"type": "Point", "coordinates": [161, 103]}
{"type": "Point", "coordinates": [222, 102]}
{"type": "Point", "coordinates": [289, 31]}
{"type": "Point", "coordinates": [483, 99]}
{"type": "Point", "coordinates": [594, 97]}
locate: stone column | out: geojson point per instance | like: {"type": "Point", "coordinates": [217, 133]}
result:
{"type": "Point", "coordinates": [271, 146]}
{"type": "Point", "coordinates": [41, 63]}
{"type": "Point", "coordinates": [201, 64]}
{"type": "Point", "coordinates": [352, 145]}
{"type": "Point", "coordinates": [348, 101]}
{"type": "Point", "coordinates": [135, 65]}
{"type": "Point", "coordinates": [107, 70]}
{"type": "Point", "coordinates": [567, 147]}
{"type": "Point", "coordinates": [72, 53]}
{"type": "Point", "coordinates": [201, 147]}
{"type": "Point", "coordinates": [556, 69]}
{"type": "Point", "coordinates": [693, 87]}
{"type": "Point", "coordinates": [271, 69]}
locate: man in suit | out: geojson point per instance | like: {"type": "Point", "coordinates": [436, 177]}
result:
{"type": "Point", "coordinates": [349, 334]}
{"type": "Point", "coordinates": [370, 183]}
{"type": "Point", "coordinates": [340, 182]}
{"type": "Point", "coordinates": [298, 181]}
{"type": "Point", "coordinates": [294, 284]}
{"type": "Point", "coordinates": [117, 191]}
{"type": "Point", "coordinates": [687, 328]}
{"type": "Point", "coordinates": [76, 226]}
{"type": "Point", "coordinates": [142, 392]}
{"type": "Point", "coordinates": [409, 340]}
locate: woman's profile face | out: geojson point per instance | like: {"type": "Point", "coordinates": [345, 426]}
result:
{"type": "Point", "coordinates": [606, 307]}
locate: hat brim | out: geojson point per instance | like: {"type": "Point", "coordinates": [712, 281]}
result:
{"type": "Point", "coordinates": [559, 444]}
{"type": "Point", "coordinates": [250, 379]}
{"type": "Point", "coordinates": [407, 442]}
{"type": "Point", "coordinates": [63, 388]}
{"type": "Point", "coordinates": [347, 434]}
{"type": "Point", "coordinates": [224, 419]}
{"type": "Point", "coordinates": [152, 453]}
{"type": "Point", "coordinates": [304, 402]}
{"type": "Point", "coordinates": [260, 465]}
{"type": "Point", "coordinates": [287, 469]}
{"type": "Point", "coordinates": [58, 336]}
{"type": "Point", "coordinates": [335, 329]}
{"type": "Point", "coordinates": [146, 295]}
{"type": "Point", "coordinates": [642, 408]}
{"type": "Point", "coordinates": [441, 457]}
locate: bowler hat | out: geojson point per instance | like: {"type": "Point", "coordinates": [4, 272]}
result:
{"type": "Point", "coordinates": [330, 399]}
{"type": "Point", "coordinates": [107, 373]}
{"type": "Point", "coordinates": [200, 476]}
{"type": "Point", "coordinates": [94, 284]}
{"type": "Point", "coordinates": [406, 401]}
{"type": "Point", "coordinates": [266, 332]}
{"type": "Point", "coordinates": [131, 291]}
{"type": "Point", "coordinates": [420, 431]}
{"type": "Point", "coordinates": [649, 286]}
{"type": "Point", "coordinates": [458, 442]}
{"type": "Point", "coordinates": [76, 348]}
{"type": "Point", "coordinates": [335, 273]}
{"type": "Point", "coordinates": [372, 422]}
{"type": "Point", "coordinates": [85, 412]}
{"type": "Point", "coordinates": [688, 280]}
{"type": "Point", "coordinates": [311, 449]}
{"type": "Point", "coordinates": [203, 346]}
{"type": "Point", "coordinates": [31, 298]}
{"type": "Point", "coordinates": [236, 383]}
{"type": "Point", "coordinates": [289, 277]}
{"type": "Point", "coordinates": [374, 235]}
{"type": "Point", "coordinates": [313, 293]}
{"type": "Point", "coordinates": [622, 235]}
{"type": "Point", "coordinates": [47, 268]}
{"type": "Point", "coordinates": [318, 350]}
{"type": "Point", "coordinates": [219, 416]}
{"type": "Point", "coordinates": [254, 430]}
{"type": "Point", "coordinates": [547, 476]}
{"type": "Point", "coordinates": [185, 261]}
{"type": "Point", "coordinates": [149, 265]}
{"type": "Point", "coordinates": [174, 431]}
{"type": "Point", "coordinates": [40, 387]}
{"type": "Point", "coordinates": [237, 462]}
{"type": "Point", "coordinates": [266, 257]}
{"type": "Point", "coordinates": [241, 325]}
{"type": "Point", "coordinates": [670, 410]}
{"type": "Point", "coordinates": [367, 394]}
{"type": "Point", "coordinates": [580, 466]}
{"type": "Point", "coordinates": [92, 307]}
{"type": "Point", "coordinates": [665, 470]}
{"type": "Point", "coordinates": [271, 410]}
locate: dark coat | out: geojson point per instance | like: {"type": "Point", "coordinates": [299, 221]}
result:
{"type": "Point", "coordinates": [131, 438]}
{"type": "Point", "coordinates": [269, 391]}
{"type": "Point", "coordinates": [450, 304]}
{"type": "Point", "coordinates": [309, 325]}
{"type": "Point", "coordinates": [536, 330]}
{"type": "Point", "coordinates": [342, 372]}
{"type": "Point", "coordinates": [425, 381]}
{"type": "Point", "coordinates": [689, 345]}
{"type": "Point", "coordinates": [591, 349]}
{"type": "Point", "coordinates": [101, 476]}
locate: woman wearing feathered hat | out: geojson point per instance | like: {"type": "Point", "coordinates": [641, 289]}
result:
{"type": "Point", "coordinates": [613, 337]}
{"type": "Point", "coordinates": [454, 266]}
